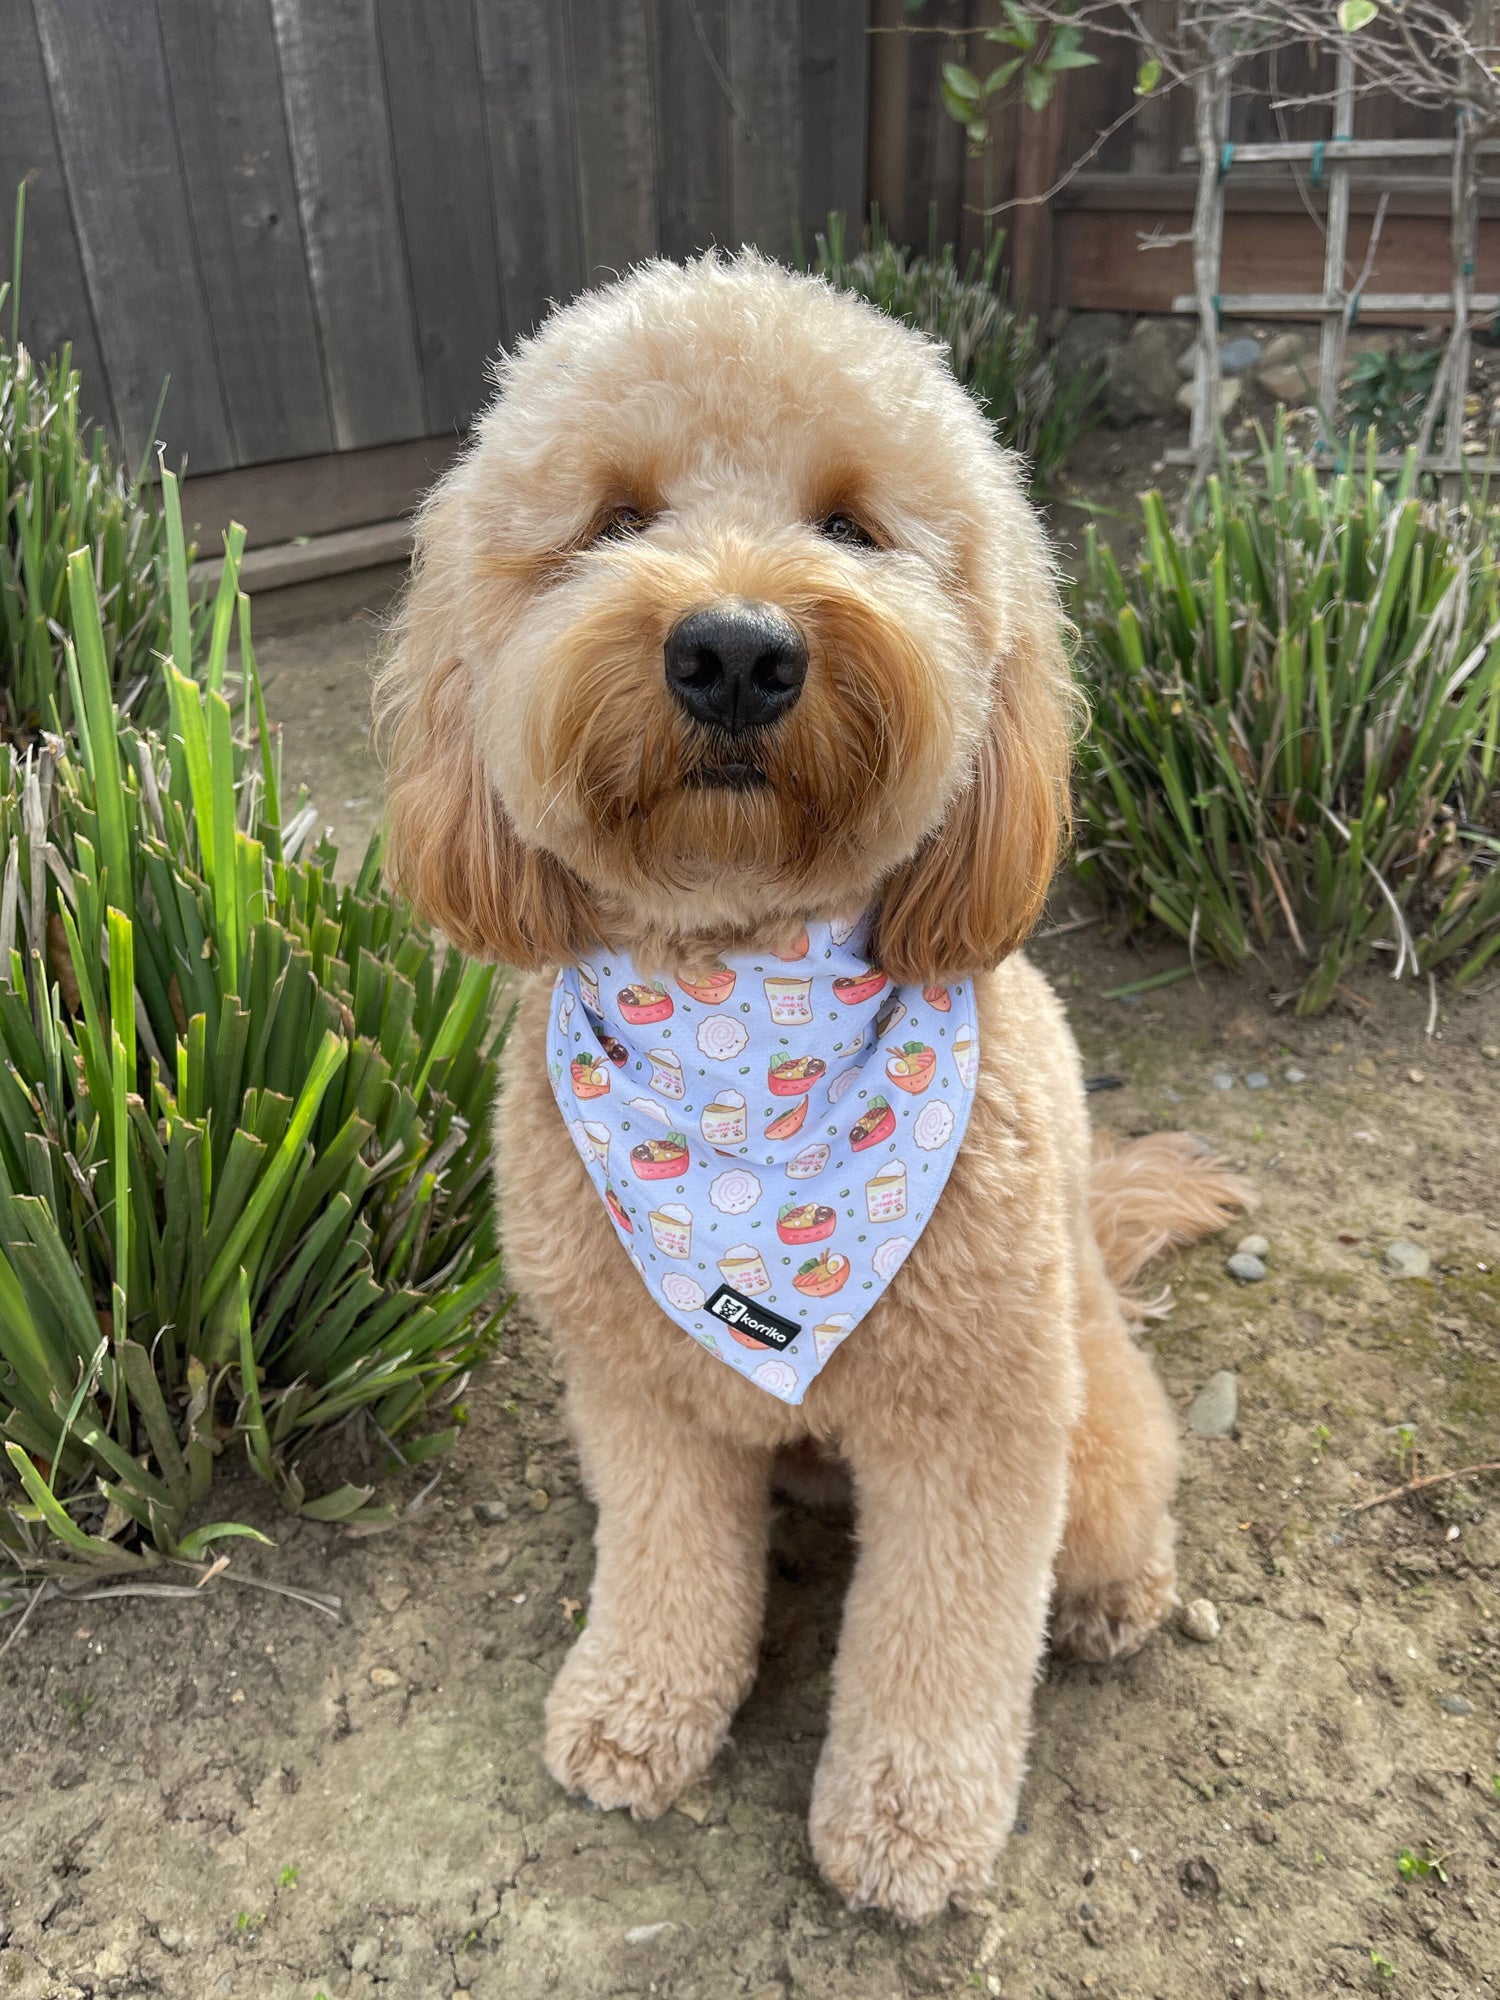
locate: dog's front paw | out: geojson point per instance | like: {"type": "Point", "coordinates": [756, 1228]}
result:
{"type": "Point", "coordinates": [622, 1740]}
{"type": "Point", "coordinates": [1112, 1620]}
{"type": "Point", "coordinates": [890, 1836]}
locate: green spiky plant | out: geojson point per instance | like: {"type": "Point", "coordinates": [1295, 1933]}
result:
{"type": "Point", "coordinates": [1296, 722]}
{"type": "Point", "coordinates": [995, 351]}
{"type": "Point", "coordinates": [244, 1166]}
{"type": "Point", "coordinates": [62, 490]}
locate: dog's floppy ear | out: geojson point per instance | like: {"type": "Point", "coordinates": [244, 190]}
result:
{"type": "Point", "coordinates": [450, 845]}
{"type": "Point", "coordinates": [970, 894]}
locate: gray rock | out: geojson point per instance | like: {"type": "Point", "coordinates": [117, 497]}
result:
{"type": "Point", "coordinates": [1247, 1267]}
{"type": "Point", "coordinates": [1200, 1621]}
{"type": "Point", "coordinates": [1294, 382]}
{"type": "Point", "coordinates": [1236, 356]}
{"type": "Point", "coordinates": [491, 1512]}
{"type": "Point", "coordinates": [1256, 1079]}
{"type": "Point", "coordinates": [1229, 394]}
{"type": "Point", "coordinates": [1251, 1246]}
{"type": "Point", "coordinates": [364, 1954]}
{"type": "Point", "coordinates": [1455, 1704]}
{"type": "Point", "coordinates": [1090, 338]}
{"type": "Point", "coordinates": [1223, 1080]}
{"type": "Point", "coordinates": [1281, 348]}
{"type": "Point", "coordinates": [1213, 1410]}
{"type": "Point", "coordinates": [1406, 1260]}
{"type": "Point", "coordinates": [1144, 381]}
{"type": "Point", "coordinates": [1295, 1075]}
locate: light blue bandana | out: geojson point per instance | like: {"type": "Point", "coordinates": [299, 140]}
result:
{"type": "Point", "coordinates": [770, 1138]}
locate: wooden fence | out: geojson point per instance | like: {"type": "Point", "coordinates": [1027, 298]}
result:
{"type": "Point", "coordinates": [321, 218]}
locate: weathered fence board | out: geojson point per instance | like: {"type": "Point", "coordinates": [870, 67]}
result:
{"type": "Point", "coordinates": [615, 117]}
{"type": "Point", "coordinates": [323, 216]}
{"type": "Point", "coordinates": [523, 60]}
{"type": "Point", "coordinates": [334, 91]}
{"type": "Point", "coordinates": [766, 132]}
{"type": "Point", "coordinates": [442, 176]}
{"type": "Point", "coordinates": [835, 94]}
{"type": "Point", "coordinates": [692, 95]}
{"type": "Point", "coordinates": [54, 294]}
{"type": "Point", "coordinates": [231, 133]}
{"type": "Point", "coordinates": [108, 87]}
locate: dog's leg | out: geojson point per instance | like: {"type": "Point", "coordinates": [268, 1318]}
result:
{"type": "Point", "coordinates": [943, 1628]}
{"type": "Point", "coordinates": [645, 1698]}
{"type": "Point", "coordinates": [1115, 1573]}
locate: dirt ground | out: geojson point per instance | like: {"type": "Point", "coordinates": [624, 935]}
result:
{"type": "Point", "coordinates": [240, 1796]}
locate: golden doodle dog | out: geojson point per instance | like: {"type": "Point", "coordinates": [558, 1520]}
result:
{"type": "Point", "coordinates": [871, 710]}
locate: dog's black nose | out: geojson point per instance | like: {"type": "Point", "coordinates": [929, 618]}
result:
{"type": "Point", "coordinates": [737, 666]}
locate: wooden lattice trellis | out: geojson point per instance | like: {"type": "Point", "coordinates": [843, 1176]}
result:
{"type": "Point", "coordinates": [1338, 304]}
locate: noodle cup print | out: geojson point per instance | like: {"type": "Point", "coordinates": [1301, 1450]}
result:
{"type": "Point", "coordinates": [966, 1055]}
{"type": "Point", "coordinates": [672, 1229]}
{"type": "Point", "coordinates": [565, 1014]}
{"type": "Point", "coordinates": [885, 1193]}
{"type": "Point", "coordinates": [588, 986]}
{"type": "Point", "coordinates": [683, 1293]}
{"type": "Point", "coordinates": [743, 1269]}
{"type": "Point", "coordinates": [829, 1332]}
{"type": "Point", "coordinates": [725, 1121]}
{"type": "Point", "coordinates": [734, 1193]}
{"type": "Point", "coordinates": [790, 1001]}
{"type": "Point", "coordinates": [780, 1377]}
{"type": "Point", "coordinates": [933, 1127]}
{"type": "Point", "coordinates": [809, 1162]}
{"type": "Point", "coordinates": [598, 1137]}
{"type": "Point", "coordinates": [666, 1073]}
{"type": "Point", "coordinates": [579, 1133]}
{"type": "Point", "coordinates": [889, 1258]}
{"type": "Point", "coordinates": [721, 1037]}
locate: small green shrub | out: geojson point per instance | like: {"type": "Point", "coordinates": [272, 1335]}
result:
{"type": "Point", "coordinates": [61, 491]}
{"type": "Point", "coordinates": [1296, 722]}
{"type": "Point", "coordinates": [1387, 392]}
{"type": "Point", "coordinates": [995, 351]}
{"type": "Point", "coordinates": [244, 1167]}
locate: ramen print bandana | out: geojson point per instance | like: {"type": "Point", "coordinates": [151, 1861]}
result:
{"type": "Point", "coordinates": [769, 1137]}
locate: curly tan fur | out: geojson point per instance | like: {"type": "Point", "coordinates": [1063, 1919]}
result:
{"type": "Point", "coordinates": [1007, 1442]}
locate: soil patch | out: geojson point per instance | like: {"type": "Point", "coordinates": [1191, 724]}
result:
{"type": "Point", "coordinates": [240, 1797]}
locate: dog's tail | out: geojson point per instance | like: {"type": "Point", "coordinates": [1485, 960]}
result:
{"type": "Point", "coordinates": [1145, 1195]}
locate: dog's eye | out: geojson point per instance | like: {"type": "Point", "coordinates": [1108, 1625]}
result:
{"type": "Point", "coordinates": [620, 523]}
{"type": "Point", "coordinates": [844, 529]}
